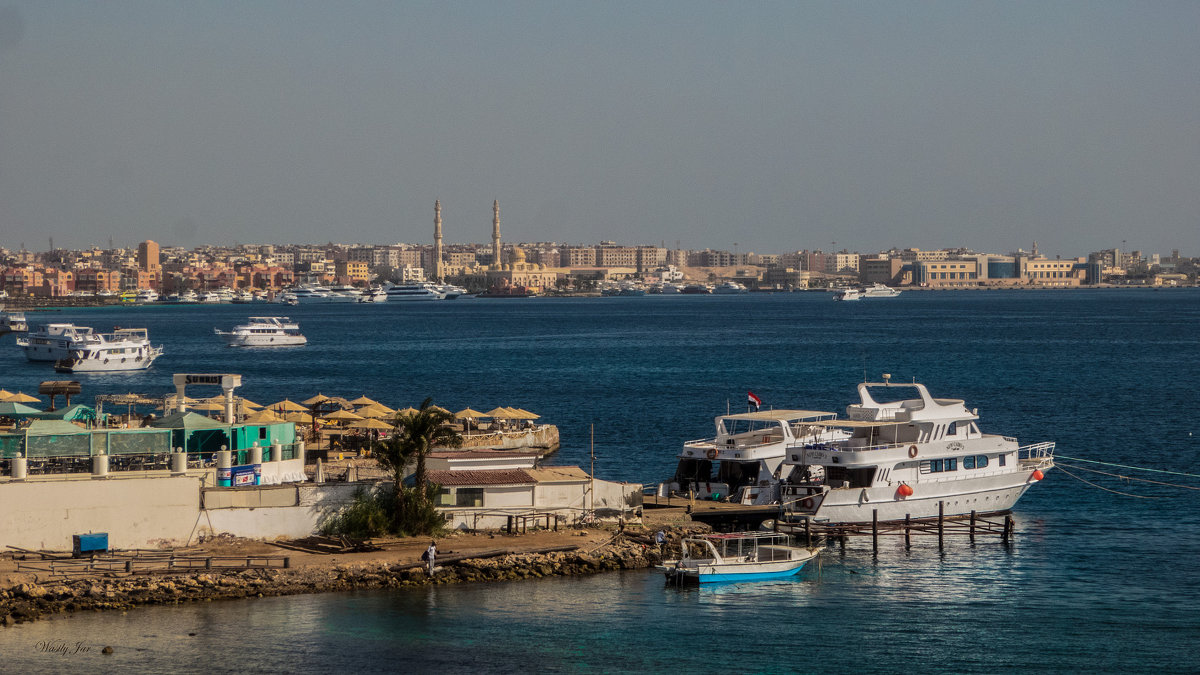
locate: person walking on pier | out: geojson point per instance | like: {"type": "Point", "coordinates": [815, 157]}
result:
{"type": "Point", "coordinates": [430, 556]}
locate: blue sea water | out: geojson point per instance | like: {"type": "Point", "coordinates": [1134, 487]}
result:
{"type": "Point", "coordinates": [1095, 581]}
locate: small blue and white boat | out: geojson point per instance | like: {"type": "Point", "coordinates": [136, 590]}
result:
{"type": "Point", "coordinates": [736, 556]}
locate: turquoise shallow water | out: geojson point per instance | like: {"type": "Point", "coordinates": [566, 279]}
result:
{"type": "Point", "coordinates": [1093, 582]}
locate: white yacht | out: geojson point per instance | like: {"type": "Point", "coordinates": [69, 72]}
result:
{"type": "Point", "coordinates": [318, 294]}
{"type": "Point", "coordinates": [879, 291]}
{"type": "Point", "coordinates": [903, 458]}
{"type": "Point", "coordinates": [422, 290]}
{"type": "Point", "coordinates": [146, 295]}
{"type": "Point", "coordinates": [373, 294]}
{"type": "Point", "coordinates": [669, 288]}
{"type": "Point", "coordinates": [13, 322]}
{"type": "Point", "coordinates": [450, 291]}
{"type": "Point", "coordinates": [743, 461]}
{"type": "Point", "coordinates": [189, 297]}
{"type": "Point", "coordinates": [243, 297]}
{"type": "Point", "coordinates": [210, 297]}
{"type": "Point", "coordinates": [265, 331]}
{"type": "Point", "coordinates": [52, 341]}
{"type": "Point", "coordinates": [122, 349]}
{"type": "Point", "coordinates": [348, 291]}
{"type": "Point", "coordinates": [730, 288]}
{"type": "Point", "coordinates": [847, 294]}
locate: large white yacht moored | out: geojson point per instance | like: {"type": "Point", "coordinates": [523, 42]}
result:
{"type": "Point", "coordinates": [264, 331]}
{"type": "Point", "coordinates": [743, 461]}
{"type": "Point", "coordinates": [903, 458]}
{"type": "Point", "coordinates": [879, 291]}
{"type": "Point", "coordinates": [422, 290]}
{"type": "Point", "coordinates": [13, 322]}
{"type": "Point", "coordinates": [122, 349]}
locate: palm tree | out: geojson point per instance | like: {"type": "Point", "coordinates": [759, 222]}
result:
{"type": "Point", "coordinates": [418, 433]}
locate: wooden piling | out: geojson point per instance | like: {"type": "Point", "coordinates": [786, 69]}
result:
{"type": "Point", "coordinates": [808, 532]}
{"type": "Point", "coordinates": [972, 526]}
{"type": "Point", "coordinates": [875, 530]}
{"type": "Point", "coordinates": [907, 531]}
{"type": "Point", "coordinates": [941, 523]}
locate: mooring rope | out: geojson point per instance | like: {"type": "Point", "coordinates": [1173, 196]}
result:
{"type": "Point", "coordinates": [1101, 487]}
{"type": "Point", "coordinates": [1125, 466]}
{"type": "Point", "coordinates": [1140, 480]}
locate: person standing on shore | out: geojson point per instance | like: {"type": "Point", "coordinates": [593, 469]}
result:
{"type": "Point", "coordinates": [660, 538]}
{"type": "Point", "coordinates": [430, 555]}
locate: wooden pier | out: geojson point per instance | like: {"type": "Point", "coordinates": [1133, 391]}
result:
{"type": "Point", "coordinates": [942, 527]}
{"type": "Point", "coordinates": [147, 562]}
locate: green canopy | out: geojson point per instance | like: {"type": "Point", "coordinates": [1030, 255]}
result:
{"type": "Point", "coordinates": [187, 420]}
{"type": "Point", "coordinates": [76, 411]}
{"type": "Point", "coordinates": [53, 428]}
{"type": "Point", "coordinates": [17, 410]}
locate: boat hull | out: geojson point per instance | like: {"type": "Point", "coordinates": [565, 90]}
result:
{"type": "Point", "coordinates": [267, 341]}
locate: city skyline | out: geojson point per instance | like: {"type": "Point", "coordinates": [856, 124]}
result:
{"type": "Point", "coordinates": [761, 128]}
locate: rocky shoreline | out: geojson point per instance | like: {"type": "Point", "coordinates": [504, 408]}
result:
{"type": "Point", "coordinates": [31, 601]}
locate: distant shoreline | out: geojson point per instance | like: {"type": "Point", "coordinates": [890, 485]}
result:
{"type": "Point", "coordinates": [38, 304]}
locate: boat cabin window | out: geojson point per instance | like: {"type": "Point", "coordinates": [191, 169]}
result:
{"type": "Point", "coordinates": [857, 478]}
{"type": "Point", "coordinates": [1000, 459]}
{"type": "Point", "coordinates": [940, 465]}
{"type": "Point", "coordinates": [975, 462]}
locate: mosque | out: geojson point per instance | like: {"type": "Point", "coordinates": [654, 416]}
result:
{"type": "Point", "coordinates": [498, 274]}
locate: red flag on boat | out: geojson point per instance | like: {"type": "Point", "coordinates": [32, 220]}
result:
{"type": "Point", "coordinates": [753, 400]}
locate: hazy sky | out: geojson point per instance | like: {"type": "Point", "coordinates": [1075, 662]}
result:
{"type": "Point", "coordinates": [775, 125]}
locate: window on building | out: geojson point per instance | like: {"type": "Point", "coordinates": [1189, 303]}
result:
{"type": "Point", "coordinates": [469, 497]}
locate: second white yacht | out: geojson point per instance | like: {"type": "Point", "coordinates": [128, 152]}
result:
{"type": "Point", "coordinates": [265, 331]}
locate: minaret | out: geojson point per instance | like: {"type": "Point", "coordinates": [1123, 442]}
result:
{"type": "Point", "coordinates": [437, 240]}
{"type": "Point", "coordinates": [496, 233]}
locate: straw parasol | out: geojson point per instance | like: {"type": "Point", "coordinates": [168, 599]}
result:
{"type": "Point", "coordinates": [438, 408]}
{"type": "Point", "coordinates": [287, 405]}
{"type": "Point", "coordinates": [468, 414]}
{"type": "Point", "coordinates": [363, 400]}
{"type": "Point", "coordinates": [524, 414]}
{"type": "Point", "coordinates": [371, 424]}
{"type": "Point", "coordinates": [250, 404]}
{"type": "Point", "coordinates": [315, 399]}
{"type": "Point", "coordinates": [263, 417]}
{"type": "Point", "coordinates": [407, 411]}
{"type": "Point", "coordinates": [500, 413]}
{"type": "Point", "coordinates": [373, 411]}
{"type": "Point", "coordinates": [342, 416]}
{"type": "Point", "coordinates": [4, 394]}
{"type": "Point", "coordinates": [297, 417]}
{"type": "Point", "coordinates": [21, 397]}
{"type": "Point", "coordinates": [206, 405]}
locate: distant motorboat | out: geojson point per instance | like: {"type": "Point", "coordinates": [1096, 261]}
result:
{"type": "Point", "coordinates": [730, 288]}
{"type": "Point", "coordinates": [319, 294]}
{"type": "Point", "coordinates": [847, 294]}
{"type": "Point", "coordinates": [146, 295]}
{"type": "Point", "coordinates": [13, 322]}
{"type": "Point", "coordinates": [373, 294]}
{"type": "Point", "coordinates": [736, 556]}
{"type": "Point", "coordinates": [265, 331]}
{"type": "Point", "coordinates": [696, 289]}
{"type": "Point", "coordinates": [880, 291]}
{"type": "Point", "coordinates": [422, 290]}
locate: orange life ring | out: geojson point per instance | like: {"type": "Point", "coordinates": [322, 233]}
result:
{"type": "Point", "coordinates": [912, 451]}
{"type": "Point", "coordinates": [712, 453]}
{"type": "Point", "coordinates": [807, 503]}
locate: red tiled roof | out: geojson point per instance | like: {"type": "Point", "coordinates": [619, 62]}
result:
{"type": "Point", "coordinates": [482, 477]}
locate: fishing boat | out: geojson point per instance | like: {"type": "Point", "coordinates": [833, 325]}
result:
{"type": "Point", "coordinates": [736, 556]}
{"type": "Point", "coordinates": [265, 331]}
{"type": "Point", "coordinates": [742, 463]}
{"type": "Point", "coordinates": [122, 349]}
{"type": "Point", "coordinates": [917, 457]}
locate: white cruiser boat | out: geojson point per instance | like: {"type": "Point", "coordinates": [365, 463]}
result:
{"type": "Point", "coordinates": [52, 341]}
{"type": "Point", "coordinates": [416, 291]}
{"type": "Point", "coordinates": [306, 295]}
{"type": "Point", "coordinates": [736, 556]}
{"type": "Point", "coordinates": [374, 294]}
{"type": "Point", "coordinates": [879, 291]}
{"type": "Point", "coordinates": [265, 331]}
{"type": "Point", "coordinates": [122, 349]}
{"type": "Point", "coordinates": [903, 458]}
{"type": "Point", "coordinates": [189, 297]}
{"type": "Point", "coordinates": [13, 322]}
{"type": "Point", "coordinates": [450, 291]}
{"type": "Point", "coordinates": [743, 461]}
{"type": "Point", "coordinates": [146, 295]}
{"type": "Point", "coordinates": [847, 294]}
{"type": "Point", "coordinates": [669, 288]}
{"type": "Point", "coordinates": [730, 288]}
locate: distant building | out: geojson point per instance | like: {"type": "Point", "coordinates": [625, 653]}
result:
{"type": "Point", "coordinates": [148, 256]}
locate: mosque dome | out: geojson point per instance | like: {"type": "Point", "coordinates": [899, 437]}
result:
{"type": "Point", "coordinates": [518, 256]}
